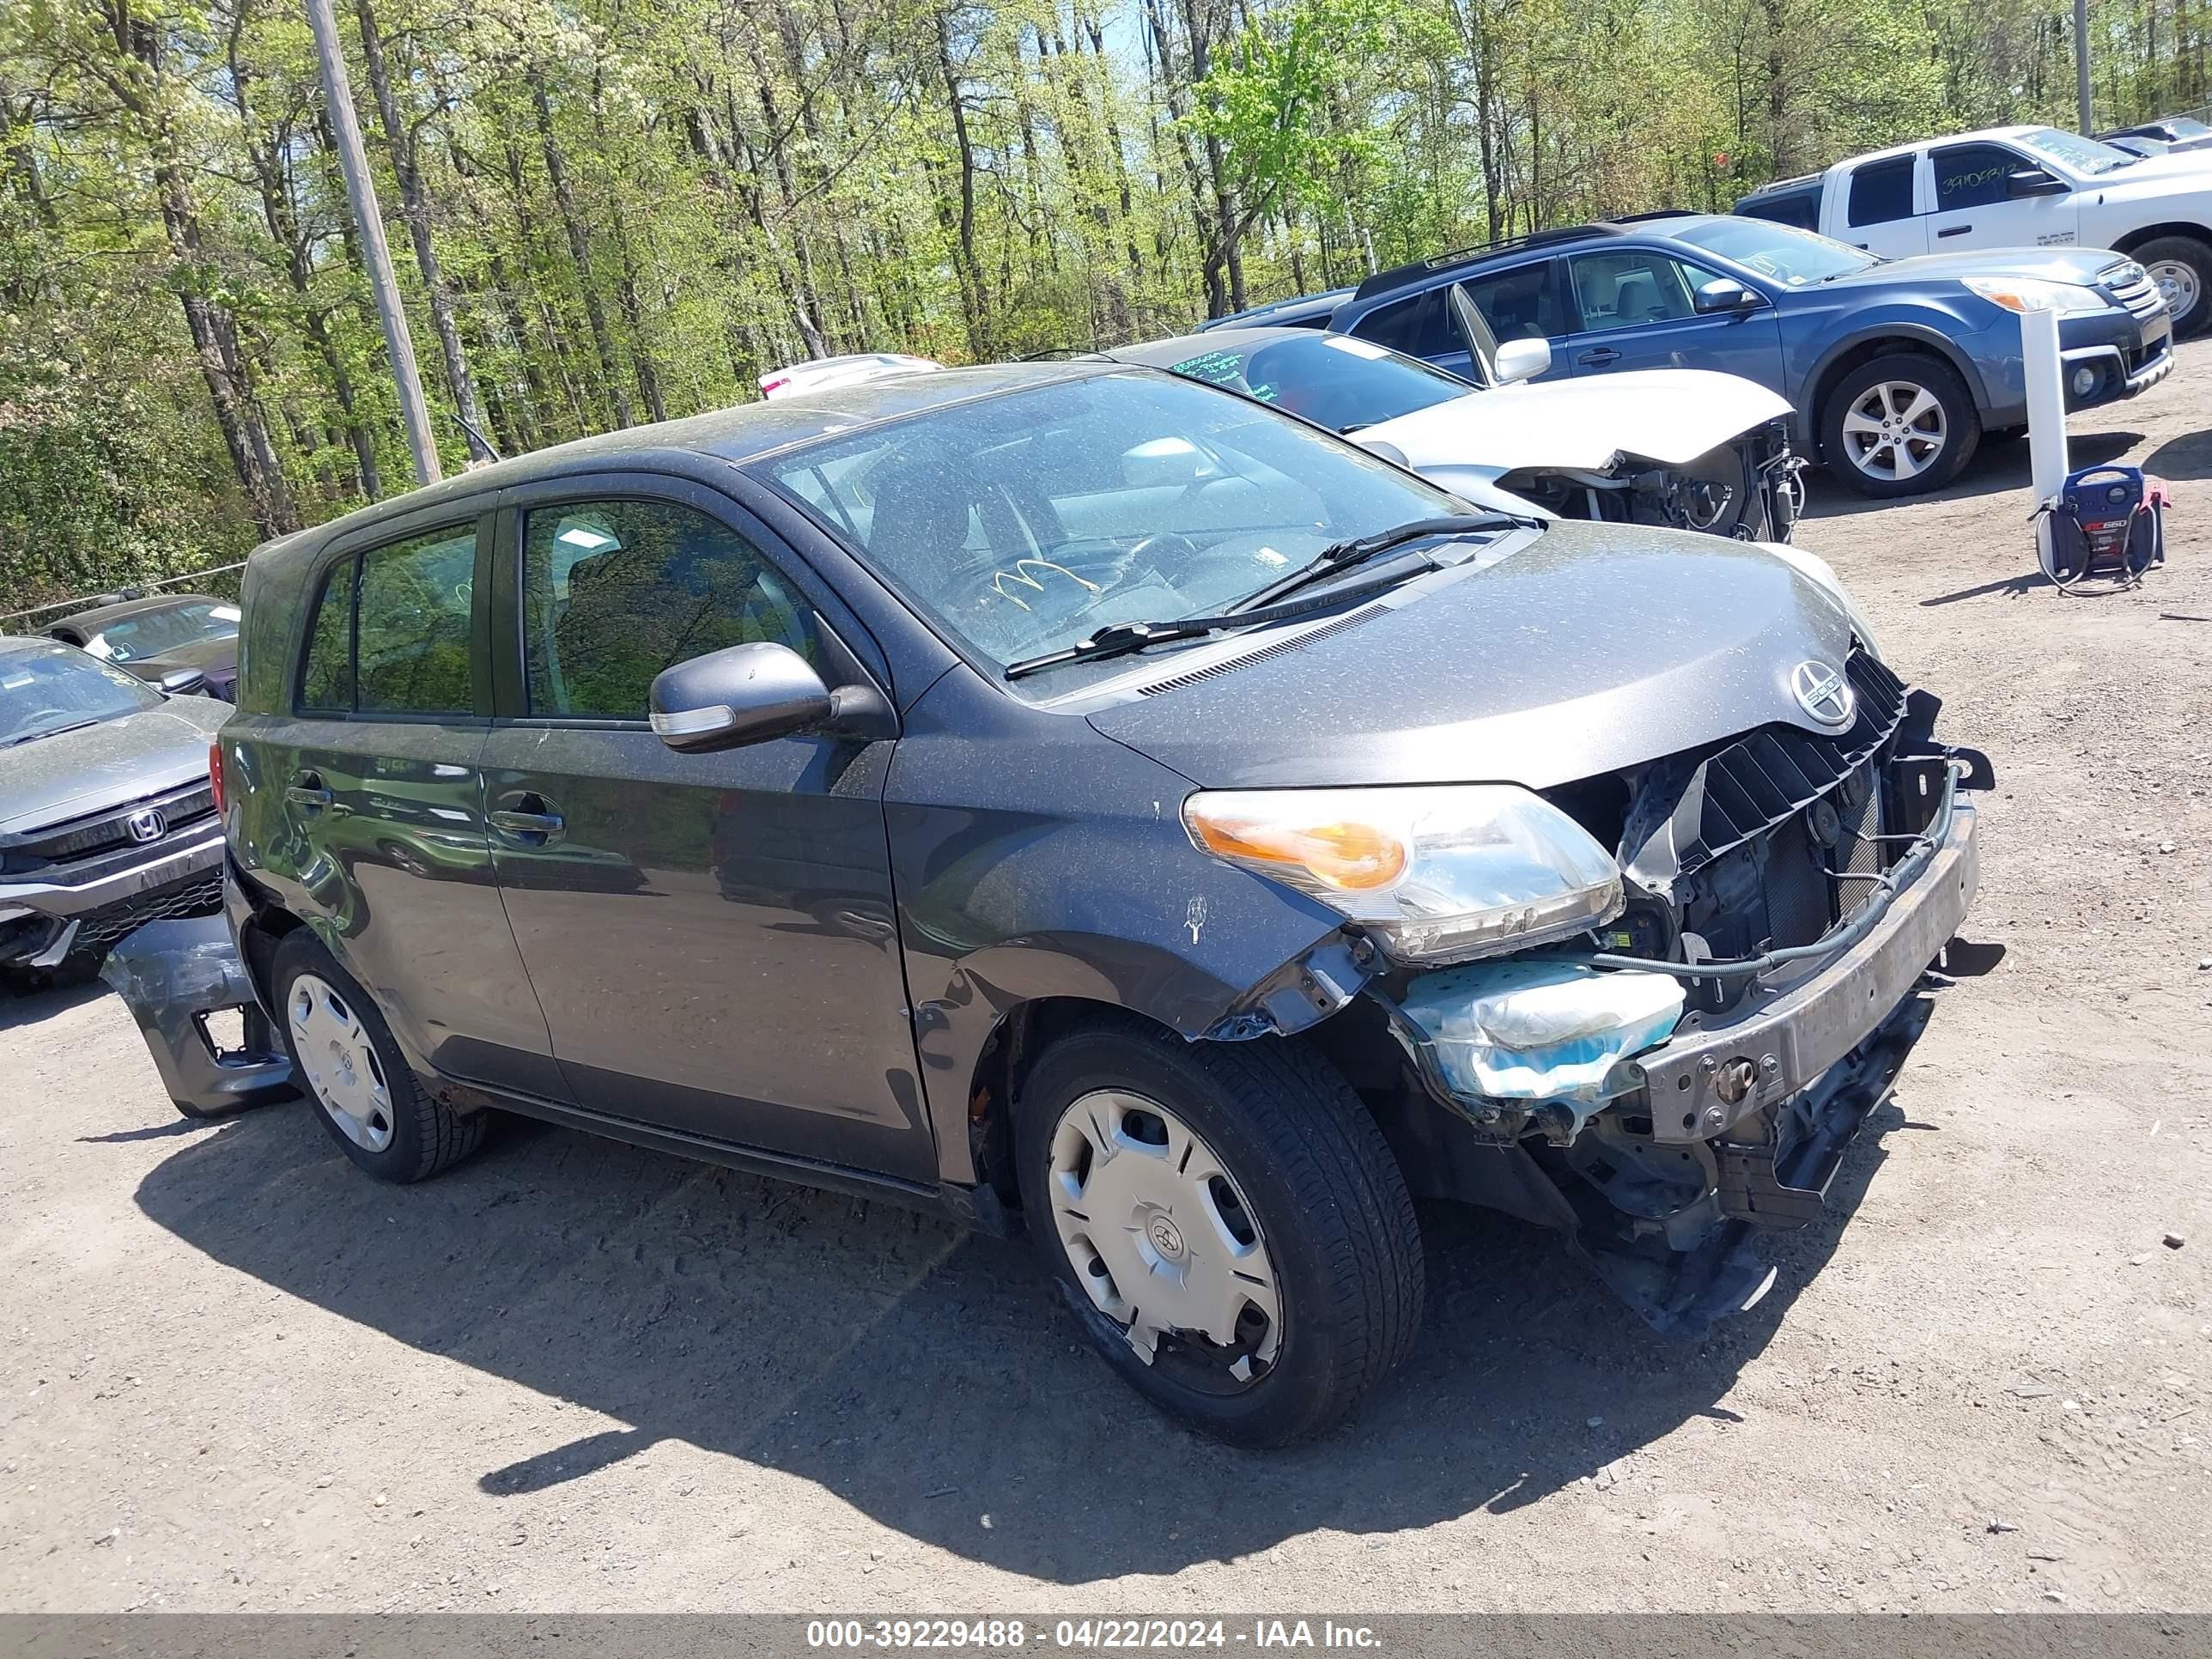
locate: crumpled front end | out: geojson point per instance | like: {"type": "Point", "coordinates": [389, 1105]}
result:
{"type": "Point", "coordinates": [187, 988]}
{"type": "Point", "coordinates": [1696, 1078]}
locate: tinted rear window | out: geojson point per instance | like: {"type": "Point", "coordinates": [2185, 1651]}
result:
{"type": "Point", "coordinates": [1881, 191]}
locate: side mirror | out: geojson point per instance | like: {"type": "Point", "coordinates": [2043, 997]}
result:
{"type": "Point", "coordinates": [1166, 463]}
{"type": "Point", "coordinates": [744, 693]}
{"type": "Point", "coordinates": [183, 682]}
{"type": "Point", "coordinates": [1725, 294]}
{"type": "Point", "coordinates": [2033, 181]}
{"type": "Point", "coordinates": [1522, 359]}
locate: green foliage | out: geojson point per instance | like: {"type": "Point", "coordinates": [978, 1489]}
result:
{"type": "Point", "coordinates": [640, 207]}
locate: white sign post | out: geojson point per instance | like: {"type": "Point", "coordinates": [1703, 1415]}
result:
{"type": "Point", "coordinates": [2046, 416]}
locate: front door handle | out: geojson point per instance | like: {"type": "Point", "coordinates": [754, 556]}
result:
{"type": "Point", "coordinates": [306, 789]}
{"type": "Point", "coordinates": [1955, 230]}
{"type": "Point", "coordinates": [1599, 358]}
{"type": "Point", "coordinates": [532, 820]}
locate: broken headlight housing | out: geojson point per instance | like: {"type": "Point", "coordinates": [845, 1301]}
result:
{"type": "Point", "coordinates": [1436, 872]}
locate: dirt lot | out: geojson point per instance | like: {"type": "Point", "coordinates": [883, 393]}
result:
{"type": "Point", "coordinates": [234, 1374]}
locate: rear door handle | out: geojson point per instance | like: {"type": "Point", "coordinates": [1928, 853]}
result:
{"type": "Point", "coordinates": [1599, 358]}
{"type": "Point", "coordinates": [307, 790]}
{"type": "Point", "coordinates": [1955, 230]}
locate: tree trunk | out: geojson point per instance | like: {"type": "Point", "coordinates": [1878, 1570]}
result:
{"type": "Point", "coordinates": [415, 209]}
{"type": "Point", "coordinates": [580, 250]}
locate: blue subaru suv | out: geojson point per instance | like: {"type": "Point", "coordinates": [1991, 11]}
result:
{"type": "Point", "coordinates": [1897, 368]}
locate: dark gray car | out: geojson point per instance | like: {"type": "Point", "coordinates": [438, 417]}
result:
{"type": "Point", "coordinates": [1079, 798]}
{"type": "Point", "coordinates": [106, 817]}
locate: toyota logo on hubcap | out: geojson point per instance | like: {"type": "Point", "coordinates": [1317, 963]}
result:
{"type": "Point", "coordinates": [1823, 693]}
{"type": "Point", "coordinates": [1167, 1237]}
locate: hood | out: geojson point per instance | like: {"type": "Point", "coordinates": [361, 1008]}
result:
{"type": "Point", "coordinates": [74, 773]}
{"type": "Point", "coordinates": [1671, 416]}
{"type": "Point", "coordinates": [1588, 648]}
{"type": "Point", "coordinates": [2049, 264]}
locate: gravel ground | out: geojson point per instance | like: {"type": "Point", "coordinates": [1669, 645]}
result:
{"type": "Point", "coordinates": [234, 1374]}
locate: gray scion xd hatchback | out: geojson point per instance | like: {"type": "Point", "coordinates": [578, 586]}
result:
{"type": "Point", "coordinates": [1098, 805]}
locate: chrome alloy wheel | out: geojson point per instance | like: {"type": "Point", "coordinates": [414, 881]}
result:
{"type": "Point", "coordinates": [1159, 1236]}
{"type": "Point", "coordinates": [340, 1062]}
{"type": "Point", "coordinates": [2177, 284]}
{"type": "Point", "coordinates": [1895, 430]}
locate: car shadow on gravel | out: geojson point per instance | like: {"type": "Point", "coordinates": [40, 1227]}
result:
{"type": "Point", "coordinates": [926, 1375]}
{"type": "Point", "coordinates": [1995, 468]}
{"type": "Point", "coordinates": [29, 1007]}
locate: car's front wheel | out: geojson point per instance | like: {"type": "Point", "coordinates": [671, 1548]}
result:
{"type": "Point", "coordinates": [345, 1057]}
{"type": "Point", "coordinates": [1227, 1222]}
{"type": "Point", "coordinates": [2182, 268]}
{"type": "Point", "coordinates": [1900, 425]}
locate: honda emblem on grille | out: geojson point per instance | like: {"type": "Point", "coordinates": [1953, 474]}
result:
{"type": "Point", "coordinates": [1823, 693]}
{"type": "Point", "coordinates": [149, 825]}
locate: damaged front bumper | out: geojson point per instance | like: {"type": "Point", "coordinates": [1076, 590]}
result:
{"type": "Point", "coordinates": [181, 976]}
{"type": "Point", "coordinates": [1738, 1122]}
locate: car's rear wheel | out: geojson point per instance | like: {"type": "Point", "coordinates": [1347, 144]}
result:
{"type": "Point", "coordinates": [1227, 1222]}
{"type": "Point", "coordinates": [2182, 268]}
{"type": "Point", "coordinates": [1900, 425]}
{"type": "Point", "coordinates": [344, 1056]}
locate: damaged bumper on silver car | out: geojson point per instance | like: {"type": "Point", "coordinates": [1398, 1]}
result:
{"type": "Point", "coordinates": [1723, 1124]}
{"type": "Point", "coordinates": [187, 988]}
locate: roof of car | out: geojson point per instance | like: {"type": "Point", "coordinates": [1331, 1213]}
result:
{"type": "Point", "coordinates": [103, 614]}
{"type": "Point", "coordinates": [1307, 305]}
{"type": "Point", "coordinates": [1978, 136]}
{"type": "Point", "coordinates": [1417, 273]}
{"type": "Point", "coordinates": [1166, 354]}
{"type": "Point", "coordinates": [740, 434]}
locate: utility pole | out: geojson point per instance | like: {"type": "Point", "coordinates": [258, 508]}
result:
{"type": "Point", "coordinates": [360, 190]}
{"type": "Point", "coordinates": [2081, 65]}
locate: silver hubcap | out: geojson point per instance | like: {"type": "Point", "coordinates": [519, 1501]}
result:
{"type": "Point", "coordinates": [2178, 282]}
{"type": "Point", "coordinates": [1895, 430]}
{"type": "Point", "coordinates": [1158, 1234]}
{"type": "Point", "coordinates": [340, 1062]}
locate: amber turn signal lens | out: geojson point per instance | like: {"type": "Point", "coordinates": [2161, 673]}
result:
{"type": "Point", "coordinates": [1358, 858]}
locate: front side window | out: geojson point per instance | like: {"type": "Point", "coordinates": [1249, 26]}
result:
{"type": "Point", "coordinates": [1333, 380]}
{"type": "Point", "coordinates": [1019, 522]}
{"type": "Point", "coordinates": [1519, 304]}
{"type": "Point", "coordinates": [614, 592]}
{"type": "Point", "coordinates": [1420, 326]}
{"type": "Point", "coordinates": [1628, 289]}
{"type": "Point", "coordinates": [1973, 175]}
{"type": "Point", "coordinates": [52, 688]}
{"type": "Point", "coordinates": [1881, 191]}
{"type": "Point", "coordinates": [390, 631]}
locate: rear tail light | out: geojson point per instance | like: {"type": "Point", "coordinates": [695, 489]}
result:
{"type": "Point", "coordinates": [214, 775]}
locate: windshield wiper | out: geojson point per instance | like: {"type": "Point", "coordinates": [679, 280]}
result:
{"type": "Point", "coordinates": [1123, 639]}
{"type": "Point", "coordinates": [1342, 556]}
{"type": "Point", "coordinates": [50, 732]}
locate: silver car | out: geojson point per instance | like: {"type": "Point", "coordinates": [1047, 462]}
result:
{"type": "Point", "coordinates": [107, 821]}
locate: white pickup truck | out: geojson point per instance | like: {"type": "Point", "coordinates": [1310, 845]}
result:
{"type": "Point", "coordinates": [2017, 187]}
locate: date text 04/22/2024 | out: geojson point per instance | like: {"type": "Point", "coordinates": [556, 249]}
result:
{"type": "Point", "coordinates": [1086, 1634]}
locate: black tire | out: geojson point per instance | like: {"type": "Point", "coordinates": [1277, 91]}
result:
{"type": "Point", "coordinates": [426, 1135]}
{"type": "Point", "coordinates": [1317, 1179]}
{"type": "Point", "coordinates": [2184, 251]}
{"type": "Point", "coordinates": [1961, 424]}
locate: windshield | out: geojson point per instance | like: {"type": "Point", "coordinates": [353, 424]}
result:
{"type": "Point", "coordinates": [45, 689]}
{"type": "Point", "coordinates": [150, 633]}
{"type": "Point", "coordinates": [2089, 155]}
{"type": "Point", "coordinates": [1021, 523]}
{"type": "Point", "coordinates": [1794, 257]}
{"type": "Point", "coordinates": [1332, 379]}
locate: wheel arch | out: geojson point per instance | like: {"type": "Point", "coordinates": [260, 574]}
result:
{"type": "Point", "coordinates": [2136, 238]}
{"type": "Point", "coordinates": [1842, 360]}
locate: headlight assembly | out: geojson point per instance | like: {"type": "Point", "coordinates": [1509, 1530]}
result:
{"type": "Point", "coordinates": [2027, 294]}
{"type": "Point", "coordinates": [1437, 873]}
